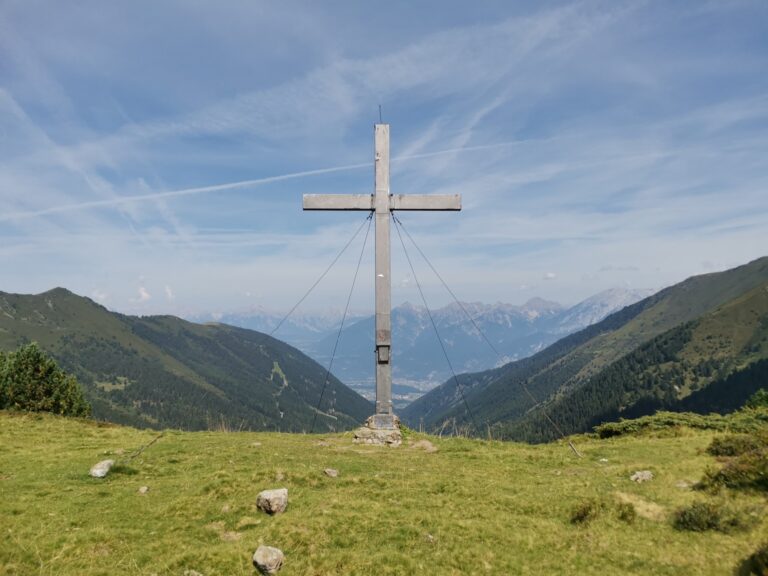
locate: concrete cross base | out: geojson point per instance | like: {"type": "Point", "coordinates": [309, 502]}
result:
{"type": "Point", "coordinates": [380, 430]}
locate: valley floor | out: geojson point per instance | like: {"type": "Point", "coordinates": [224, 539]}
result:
{"type": "Point", "coordinates": [471, 507]}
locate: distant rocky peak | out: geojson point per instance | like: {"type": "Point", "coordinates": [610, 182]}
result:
{"type": "Point", "coordinates": [541, 306]}
{"type": "Point", "coordinates": [617, 296]}
{"type": "Point", "coordinates": [598, 306]}
{"type": "Point", "coordinates": [409, 307]}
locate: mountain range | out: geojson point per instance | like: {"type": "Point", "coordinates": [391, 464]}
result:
{"type": "Point", "coordinates": [698, 343]}
{"type": "Point", "coordinates": [701, 345]}
{"type": "Point", "coordinates": [418, 360]}
{"type": "Point", "coordinates": [161, 371]}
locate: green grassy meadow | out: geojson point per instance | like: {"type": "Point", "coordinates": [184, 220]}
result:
{"type": "Point", "coordinates": [471, 507]}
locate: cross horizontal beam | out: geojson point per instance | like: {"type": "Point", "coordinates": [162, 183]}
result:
{"type": "Point", "coordinates": [338, 202]}
{"type": "Point", "coordinates": [446, 202]}
{"type": "Point", "coordinates": [429, 202]}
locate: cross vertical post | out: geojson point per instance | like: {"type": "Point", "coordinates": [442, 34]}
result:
{"type": "Point", "coordinates": [382, 203]}
{"type": "Point", "coordinates": [383, 271]}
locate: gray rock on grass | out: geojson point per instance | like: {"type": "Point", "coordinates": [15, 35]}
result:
{"type": "Point", "coordinates": [268, 560]}
{"type": "Point", "coordinates": [273, 501]}
{"type": "Point", "coordinates": [101, 469]}
{"type": "Point", "coordinates": [331, 472]}
{"type": "Point", "coordinates": [642, 476]}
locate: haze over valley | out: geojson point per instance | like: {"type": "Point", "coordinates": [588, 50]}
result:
{"type": "Point", "coordinates": [419, 363]}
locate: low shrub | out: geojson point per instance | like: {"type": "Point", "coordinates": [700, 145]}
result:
{"type": "Point", "coordinates": [758, 400]}
{"type": "Point", "coordinates": [736, 444]}
{"type": "Point", "coordinates": [747, 421]}
{"type": "Point", "coordinates": [748, 471]}
{"type": "Point", "coordinates": [757, 563]}
{"type": "Point", "coordinates": [586, 511]}
{"type": "Point", "coordinates": [667, 422]}
{"type": "Point", "coordinates": [703, 516]}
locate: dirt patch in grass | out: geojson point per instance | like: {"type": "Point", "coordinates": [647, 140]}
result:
{"type": "Point", "coordinates": [425, 445]}
{"type": "Point", "coordinates": [644, 508]}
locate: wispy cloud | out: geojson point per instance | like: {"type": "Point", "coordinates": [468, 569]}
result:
{"type": "Point", "coordinates": [143, 295]}
{"type": "Point", "coordinates": [591, 138]}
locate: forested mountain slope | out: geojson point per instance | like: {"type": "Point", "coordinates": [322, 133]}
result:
{"type": "Point", "coordinates": [165, 372]}
{"type": "Point", "coordinates": [661, 349]}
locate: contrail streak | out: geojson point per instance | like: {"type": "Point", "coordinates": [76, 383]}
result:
{"type": "Point", "coordinates": [235, 185]}
{"type": "Point", "coordinates": [176, 193]}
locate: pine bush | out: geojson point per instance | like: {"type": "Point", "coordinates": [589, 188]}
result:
{"type": "Point", "coordinates": [32, 381]}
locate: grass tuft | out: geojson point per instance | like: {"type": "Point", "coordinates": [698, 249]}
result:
{"type": "Point", "coordinates": [626, 512]}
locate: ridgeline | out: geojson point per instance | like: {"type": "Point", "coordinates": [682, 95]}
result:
{"type": "Point", "coordinates": [685, 347]}
{"type": "Point", "coordinates": [164, 372]}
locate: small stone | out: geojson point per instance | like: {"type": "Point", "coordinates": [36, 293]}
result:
{"type": "Point", "coordinates": [429, 538]}
{"type": "Point", "coordinates": [225, 509]}
{"type": "Point", "coordinates": [603, 460]}
{"type": "Point", "coordinates": [331, 472]}
{"type": "Point", "coordinates": [256, 444]}
{"type": "Point", "coordinates": [683, 485]}
{"type": "Point", "coordinates": [642, 476]}
{"type": "Point", "coordinates": [273, 501]}
{"type": "Point", "coordinates": [143, 489]}
{"type": "Point", "coordinates": [101, 469]}
{"type": "Point", "coordinates": [268, 560]}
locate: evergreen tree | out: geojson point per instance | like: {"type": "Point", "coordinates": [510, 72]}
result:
{"type": "Point", "coordinates": [30, 380]}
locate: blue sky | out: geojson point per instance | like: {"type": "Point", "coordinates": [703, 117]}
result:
{"type": "Point", "coordinates": [153, 154]}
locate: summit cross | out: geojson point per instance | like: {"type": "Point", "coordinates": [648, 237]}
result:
{"type": "Point", "coordinates": [382, 203]}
